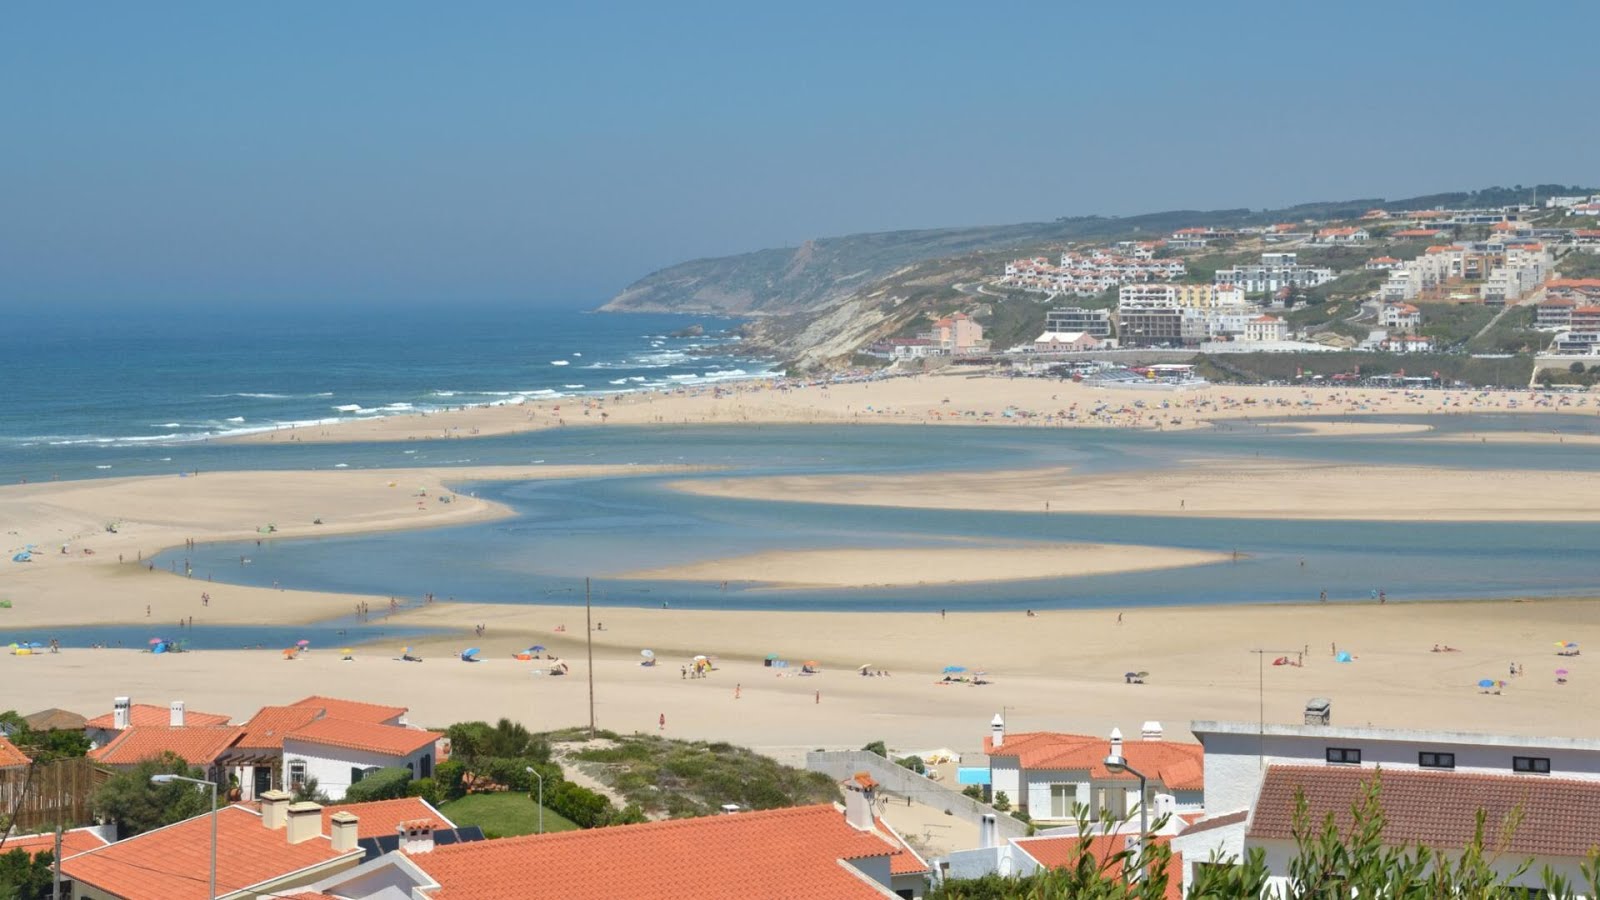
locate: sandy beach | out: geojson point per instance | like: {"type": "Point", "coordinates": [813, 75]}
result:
{"type": "Point", "coordinates": [899, 567]}
{"type": "Point", "coordinates": [1275, 490]}
{"type": "Point", "coordinates": [101, 577]}
{"type": "Point", "coordinates": [1057, 670]}
{"type": "Point", "coordinates": [957, 398]}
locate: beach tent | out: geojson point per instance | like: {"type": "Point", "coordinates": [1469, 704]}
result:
{"type": "Point", "coordinates": [470, 654]}
{"type": "Point", "coordinates": [1344, 656]}
{"type": "Point", "coordinates": [24, 556]}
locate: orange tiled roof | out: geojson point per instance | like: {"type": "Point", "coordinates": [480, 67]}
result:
{"type": "Point", "coordinates": [905, 862]}
{"type": "Point", "coordinates": [1058, 852]}
{"type": "Point", "coordinates": [196, 746]}
{"type": "Point", "coordinates": [266, 728]}
{"type": "Point", "coordinates": [78, 840]}
{"type": "Point", "coordinates": [775, 854]}
{"type": "Point", "coordinates": [11, 757]}
{"type": "Point", "coordinates": [1178, 766]}
{"type": "Point", "coordinates": [380, 818]}
{"type": "Point", "coordinates": [335, 708]}
{"type": "Point", "coordinates": [173, 863]}
{"type": "Point", "coordinates": [144, 714]}
{"type": "Point", "coordinates": [391, 739]}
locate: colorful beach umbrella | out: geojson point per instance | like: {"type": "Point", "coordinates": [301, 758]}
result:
{"type": "Point", "coordinates": [302, 643]}
{"type": "Point", "coordinates": [648, 654]}
{"type": "Point", "coordinates": [536, 648]}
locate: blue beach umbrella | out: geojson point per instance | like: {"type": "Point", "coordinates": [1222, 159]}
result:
{"type": "Point", "coordinates": [469, 653]}
{"type": "Point", "coordinates": [1486, 682]}
{"type": "Point", "coordinates": [950, 669]}
{"type": "Point", "coordinates": [536, 648]}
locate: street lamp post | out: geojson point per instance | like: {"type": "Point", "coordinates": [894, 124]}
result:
{"type": "Point", "coordinates": [168, 779]}
{"type": "Point", "coordinates": [534, 773]}
{"type": "Point", "coordinates": [1116, 762]}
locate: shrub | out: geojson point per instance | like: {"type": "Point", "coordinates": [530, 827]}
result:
{"type": "Point", "coordinates": [914, 763]}
{"type": "Point", "coordinates": [1001, 801]}
{"type": "Point", "coordinates": [975, 791]}
{"type": "Point", "coordinates": [385, 784]}
{"type": "Point", "coordinates": [450, 774]}
{"type": "Point", "coordinates": [427, 789]}
{"type": "Point", "coordinates": [878, 748]}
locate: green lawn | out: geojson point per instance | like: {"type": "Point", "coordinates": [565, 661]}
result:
{"type": "Point", "coordinates": [503, 815]}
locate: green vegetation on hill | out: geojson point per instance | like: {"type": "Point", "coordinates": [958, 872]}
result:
{"type": "Point", "coordinates": [682, 779]}
{"type": "Point", "coordinates": [1513, 333]}
{"type": "Point", "coordinates": [1451, 324]}
{"type": "Point", "coordinates": [1578, 264]}
{"type": "Point", "coordinates": [1012, 322]}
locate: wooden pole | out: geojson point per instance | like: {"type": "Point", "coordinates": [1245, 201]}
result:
{"type": "Point", "coordinates": [589, 627]}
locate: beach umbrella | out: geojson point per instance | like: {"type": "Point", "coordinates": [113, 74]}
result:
{"type": "Point", "coordinates": [772, 656]}
{"type": "Point", "coordinates": [154, 641]}
{"type": "Point", "coordinates": [1344, 657]}
{"type": "Point", "coordinates": [302, 643]}
{"type": "Point", "coordinates": [536, 648]}
{"type": "Point", "coordinates": [701, 658]}
{"type": "Point", "coordinates": [469, 653]}
{"type": "Point", "coordinates": [1561, 671]}
{"type": "Point", "coordinates": [1486, 682]}
{"type": "Point", "coordinates": [949, 669]}
{"type": "Point", "coordinates": [648, 654]}
{"type": "Point", "coordinates": [864, 666]}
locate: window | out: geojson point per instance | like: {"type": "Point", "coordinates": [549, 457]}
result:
{"type": "Point", "coordinates": [1436, 760]}
{"type": "Point", "coordinates": [1062, 797]}
{"type": "Point", "coordinates": [1344, 755]}
{"type": "Point", "coordinates": [297, 775]}
{"type": "Point", "coordinates": [357, 773]}
{"type": "Point", "coordinates": [427, 765]}
{"type": "Point", "coordinates": [1536, 764]}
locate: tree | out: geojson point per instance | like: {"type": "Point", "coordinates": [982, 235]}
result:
{"type": "Point", "coordinates": [877, 747]}
{"type": "Point", "coordinates": [44, 746]}
{"type": "Point", "coordinates": [1001, 801]}
{"type": "Point", "coordinates": [136, 805]}
{"type": "Point", "coordinates": [24, 876]}
{"type": "Point", "coordinates": [310, 792]}
{"type": "Point", "coordinates": [1576, 368]}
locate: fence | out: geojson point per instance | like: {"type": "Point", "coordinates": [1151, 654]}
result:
{"type": "Point", "coordinates": [46, 794]}
{"type": "Point", "coordinates": [841, 764]}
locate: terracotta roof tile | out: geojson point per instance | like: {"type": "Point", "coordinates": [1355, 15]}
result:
{"type": "Point", "coordinates": [266, 728]}
{"type": "Point", "coordinates": [354, 735]}
{"type": "Point", "coordinates": [54, 719]}
{"type": "Point", "coordinates": [78, 840]}
{"type": "Point", "coordinates": [1178, 766]}
{"type": "Point", "coordinates": [380, 818]}
{"type": "Point", "coordinates": [1560, 817]}
{"type": "Point", "coordinates": [1203, 824]}
{"type": "Point", "coordinates": [144, 714]}
{"type": "Point", "coordinates": [335, 708]}
{"type": "Point", "coordinates": [196, 746]}
{"type": "Point", "coordinates": [1058, 852]}
{"type": "Point", "coordinates": [173, 863]}
{"type": "Point", "coordinates": [775, 854]}
{"type": "Point", "coordinates": [11, 757]}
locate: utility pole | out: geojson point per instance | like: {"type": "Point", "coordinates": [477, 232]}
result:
{"type": "Point", "coordinates": [1261, 699]}
{"type": "Point", "coordinates": [589, 626]}
{"type": "Point", "coordinates": [55, 868]}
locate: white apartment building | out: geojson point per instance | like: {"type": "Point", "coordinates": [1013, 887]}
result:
{"type": "Point", "coordinates": [1090, 274]}
{"type": "Point", "coordinates": [1266, 328]}
{"type": "Point", "coordinates": [1253, 774]}
{"type": "Point", "coordinates": [1402, 317]}
{"type": "Point", "coordinates": [1094, 322]}
{"type": "Point", "coordinates": [1526, 267]}
{"type": "Point", "coordinates": [1275, 271]}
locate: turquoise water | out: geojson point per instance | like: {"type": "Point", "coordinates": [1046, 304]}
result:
{"type": "Point", "coordinates": [564, 531]}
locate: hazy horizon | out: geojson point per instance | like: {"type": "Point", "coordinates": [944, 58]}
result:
{"type": "Point", "coordinates": [187, 156]}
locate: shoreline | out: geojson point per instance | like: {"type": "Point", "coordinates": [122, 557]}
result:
{"type": "Point", "coordinates": [954, 398]}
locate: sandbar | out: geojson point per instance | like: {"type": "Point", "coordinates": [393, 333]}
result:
{"type": "Point", "coordinates": [1231, 489]}
{"type": "Point", "coordinates": [900, 567]}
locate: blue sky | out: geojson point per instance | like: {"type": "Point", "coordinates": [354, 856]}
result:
{"type": "Point", "coordinates": [394, 152]}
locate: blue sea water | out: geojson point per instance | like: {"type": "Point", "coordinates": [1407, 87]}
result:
{"type": "Point", "coordinates": [83, 390]}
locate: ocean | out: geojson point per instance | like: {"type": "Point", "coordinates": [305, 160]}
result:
{"type": "Point", "coordinates": [84, 390]}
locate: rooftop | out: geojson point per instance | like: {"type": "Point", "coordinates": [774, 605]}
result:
{"type": "Point", "coordinates": [335, 708]}
{"type": "Point", "coordinates": [173, 863]}
{"type": "Point", "coordinates": [10, 756]}
{"type": "Point", "coordinates": [266, 728]}
{"type": "Point", "coordinates": [1438, 809]}
{"type": "Point", "coordinates": [780, 853]}
{"type": "Point", "coordinates": [1060, 852]}
{"type": "Point", "coordinates": [142, 714]}
{"type": "Point", "coordinates": [394, 740]}
{"type": "Point", "coordinates": [78, 840]}
{"type": "Point", "coordinates": [380, 818]}
{"type": "Point", "coordinates": [1178, 766]}
{"type": "Point", "coordinates": [54, 719]}
{"type": "Point", "coordinates": [197, 746]}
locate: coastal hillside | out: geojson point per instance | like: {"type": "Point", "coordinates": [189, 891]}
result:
{"type": "Point", "coordinates": [822, 273]}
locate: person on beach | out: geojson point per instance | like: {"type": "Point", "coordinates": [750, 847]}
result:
{"type": "Point", "coordinates": [737, 690]}
{"type": "Point", "coordinates": [661, 725]}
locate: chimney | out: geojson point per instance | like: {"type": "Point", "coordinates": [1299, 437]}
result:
{"type": "Point", "coordinates": [342, 830]}
{"type": "Point", "coordinates": [175, 716]}
{"type": "Point", "coordinates": [121, 713]}
{"type": "Point", "coordinates": [416, 837]}
{"type": "Point", "coordinates": [858, 801]}
{"type": "Point", "coordinates": [1133, 870]}
{"type": "Point", "coordinates": [1116, 742]}
{"type": "Point", "coordinates": [305, 822]}
{"type": "Point", "coordinates": [274, 809]}
{"type": "Point", "coordinates": [987, 831]}
{"type": "Point", "coordinates": [1151, 731]}
{"type": "Point", "coordinates": [997, 730]}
